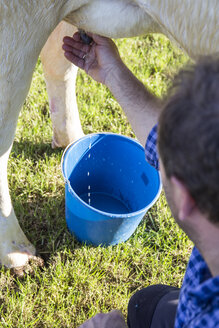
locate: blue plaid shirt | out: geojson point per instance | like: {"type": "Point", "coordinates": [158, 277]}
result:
{"type": "Point", "coordinates": [198, 305]}
{"type": "Point", "coordinates": [151, 153]}
{"type": "Point", "coordinates": [199, 296]}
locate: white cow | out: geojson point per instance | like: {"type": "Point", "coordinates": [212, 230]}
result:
{"type": "Point", "coordinates": [25, 27]}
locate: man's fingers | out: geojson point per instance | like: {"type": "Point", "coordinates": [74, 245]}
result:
{"type": "Point", "coordinates": [113, 319]}
{"type": "Point", "coordinates": [75, 52]}
{"type": "Point", "coordinates": [76, 36]}
{"type": "Point", "coordinates": [74, 59]}
{"type": "Point", "coordinates": [76, 44]}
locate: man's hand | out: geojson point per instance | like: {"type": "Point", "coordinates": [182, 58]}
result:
{"type": "Point", "coordinates": [113, 319]}
{"type": "Point", "coordinates": [101, 60]}
{"type": "Point", "coordinates": [98, 59]}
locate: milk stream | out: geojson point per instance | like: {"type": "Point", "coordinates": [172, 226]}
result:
{"type": "Point", "coordinates": [88, 174]}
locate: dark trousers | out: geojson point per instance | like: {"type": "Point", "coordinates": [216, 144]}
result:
{"type": "Point", "coordinates": [153, 307]}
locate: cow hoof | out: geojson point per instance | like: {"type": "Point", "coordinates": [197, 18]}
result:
{"type": "Point", "coordinates": [64, 142]}
{"type": "Point", "coordinates": [15, 248]}
{"type": "Point", "coordinates": [18, 256]}
{"type": "Point", "coordinates": [33, 262]}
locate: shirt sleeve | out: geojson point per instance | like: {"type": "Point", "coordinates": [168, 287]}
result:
{"type": "Point", "coordinates": [151, 153]}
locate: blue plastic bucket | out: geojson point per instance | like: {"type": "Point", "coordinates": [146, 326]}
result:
{"type": "Point", "coordinates": [109, 187]}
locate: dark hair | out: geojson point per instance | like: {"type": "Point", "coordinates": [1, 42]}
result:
{"type": "Point", "coordinates": [188, 133]}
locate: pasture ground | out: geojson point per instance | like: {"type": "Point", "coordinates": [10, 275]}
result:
{"type": "Point", "coordinates": [78, 281]}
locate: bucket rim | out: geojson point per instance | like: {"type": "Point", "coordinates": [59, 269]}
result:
{"type": "Point", "coordinates": [112, 215]}
{"type": "Point", "coordinates": [96, 134]}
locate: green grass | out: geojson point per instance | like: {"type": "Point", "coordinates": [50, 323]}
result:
{"type": "Point", "coordinates": [77, 281]}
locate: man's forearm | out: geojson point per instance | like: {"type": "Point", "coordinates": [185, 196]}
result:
{"type": "Point", "coordinates": [140, 106]}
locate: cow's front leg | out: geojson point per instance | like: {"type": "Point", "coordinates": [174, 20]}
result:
{"type": "Point", "coordinates": [60, 78]}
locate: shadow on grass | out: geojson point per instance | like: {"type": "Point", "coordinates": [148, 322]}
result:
{"type": "Point", "coordinates": [33, 150]}
{"type": "Point", "coordinates": [43, 221]}
{"type": "Point", "coordinates": [41, 215]}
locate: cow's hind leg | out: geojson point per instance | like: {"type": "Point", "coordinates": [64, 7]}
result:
{"type": "Point", "coordinates": [15, 249]}
{"type": "Point", "coordinates": [60, 77]}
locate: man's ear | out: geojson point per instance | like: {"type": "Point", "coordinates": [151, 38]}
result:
{"type": "Point", "coordinates": [185, 202]}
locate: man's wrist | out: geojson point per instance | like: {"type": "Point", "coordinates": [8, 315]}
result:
{"type": "Point", "coordinates": [116, 76]}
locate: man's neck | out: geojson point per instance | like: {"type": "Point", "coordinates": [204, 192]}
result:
{"type": "Point", "coordinates": [211, 258]}
{"type": "Point", "coordinates": [209, 246]}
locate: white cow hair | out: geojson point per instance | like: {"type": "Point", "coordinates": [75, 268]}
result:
{"type": "Point", "coordinates": [196, 29]}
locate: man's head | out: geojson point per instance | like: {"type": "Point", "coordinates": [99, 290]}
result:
{"type": "Point", "coordinates": [188, 136]}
